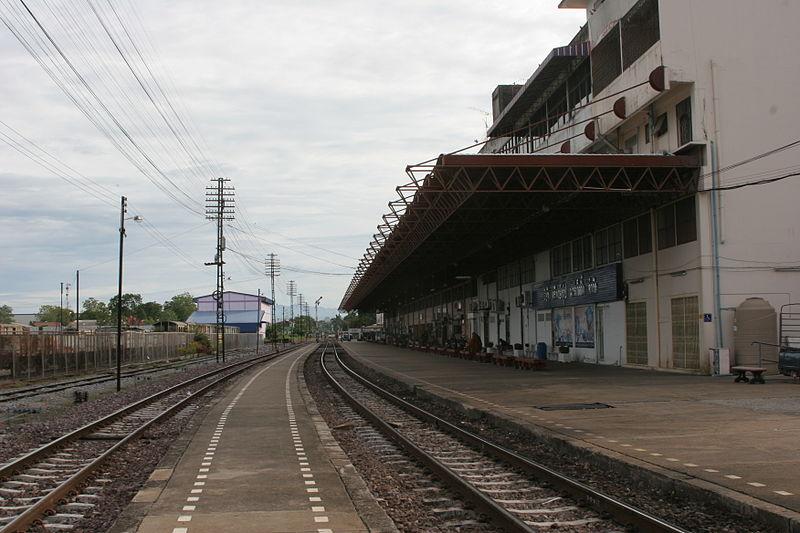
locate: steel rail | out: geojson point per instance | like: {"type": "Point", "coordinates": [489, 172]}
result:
{"type": "Point", "coordinates": [620, 511]}
{"type": "Point", "coordinates": [500, 515]}
{"type": "Point", "coordinates": [34, 513]}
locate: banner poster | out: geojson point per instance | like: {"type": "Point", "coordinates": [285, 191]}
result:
{"type": "Point", "coordinates": [562, 326]}
{"type": "Point", "coordinates": [584, 326]}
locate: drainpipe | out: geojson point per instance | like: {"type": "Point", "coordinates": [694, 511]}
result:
{"type": "Point", "coordinates": [715, 208]}
{"type": "Point", "coordinates": [654, 246]}
{"type": "Point", "coordinates": [715, 244]}
{"type": "Point", "coordinates": [521, 317]}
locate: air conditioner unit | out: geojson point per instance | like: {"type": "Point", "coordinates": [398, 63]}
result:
{"type": "Point", "coordinates": [520, 300]}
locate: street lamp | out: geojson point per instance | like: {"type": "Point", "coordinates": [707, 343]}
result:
{"type": "Point", "coordinates": [316, 315]}
{"type": "Point", "coordinates": [122, 219]}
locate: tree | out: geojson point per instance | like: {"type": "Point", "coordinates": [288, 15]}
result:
{"type": "Point", "coordinates": [148, 312]}
{"type": "Point", "coordinates": [94, 309]}
{"type": "Point", "coordinates": [167, 316]}
{"type": "Point", "coordinates": [54, 313]}
{"type": "Point", "coordinates": [356, 319]}
{"type": "Point", "coordinates": [181, 305]}
{"type": "Point", "coordinates": [6, 314]}
{"type": "Point", "coordinates": [130, 303]}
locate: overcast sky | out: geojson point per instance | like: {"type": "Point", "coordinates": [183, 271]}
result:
{"type": "Point", "coordinates": [312, 108]}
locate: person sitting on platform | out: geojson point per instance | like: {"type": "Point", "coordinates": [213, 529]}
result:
{"type": "Point", "coordinates": [474, 345]}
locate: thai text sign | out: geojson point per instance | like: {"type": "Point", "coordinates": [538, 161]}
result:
{"type": "Point", "coordinates": [603, 284]}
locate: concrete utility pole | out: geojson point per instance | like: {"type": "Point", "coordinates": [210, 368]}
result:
{"type": "Point", "coordinates": [258, 320]}
{"type": "Point", "coordinates": [78, 301]}
{"type": "Point", "coordinates": [291, 290]}
{"type": "Point", "coordinates": [122, 211]}
{"type": "Point", "coordinates": [220, 207]}
{"type": "Point", "coordinates": [273, 269]}
{"type": "Point", "coordinates": [300, 302]}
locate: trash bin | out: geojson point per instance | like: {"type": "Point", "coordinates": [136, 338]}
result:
{"type": "Point", "coordinates": [541, 350]}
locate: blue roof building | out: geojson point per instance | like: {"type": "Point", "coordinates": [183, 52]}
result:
{"type": "Point", "coordinates": [249, 312]}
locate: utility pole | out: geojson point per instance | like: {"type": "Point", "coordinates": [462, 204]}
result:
{"type": "Point", "coordinates": [272, 266]}
{"type": "Point", "coordinates": [291, 290]}
{"type": "Point", "coordinates": [122, 211]}
{"type": "Point", "coordinates": [316, 316]}
{"type": "Point", "coordinates": [78, 301]}
{"type": "Point", "coordinates": [300, 302]}
{"type": "Point", "coordinates": [220, 207]}
{"type": "Point", "coordinates": [258, 320]}
{"type": "Point", "coordinates": [283, 324]}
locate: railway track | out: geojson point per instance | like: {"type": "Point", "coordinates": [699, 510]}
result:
{"type": "Point", "coordinates": [516, 493]}
{"type": "Point", "coordinates": [48, 388]}
{"type": "Point", "coordinates": [56, 484]}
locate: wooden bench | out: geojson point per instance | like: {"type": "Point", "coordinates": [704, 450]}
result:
{"type": "Point", "coordinates": [741, 374]}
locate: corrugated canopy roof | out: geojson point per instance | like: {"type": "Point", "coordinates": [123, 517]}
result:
{"type": "Point", "coordinates": [467, 214]}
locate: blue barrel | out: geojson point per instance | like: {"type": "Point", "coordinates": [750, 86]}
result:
{"type": "Point", "coordinates": [541, 350]}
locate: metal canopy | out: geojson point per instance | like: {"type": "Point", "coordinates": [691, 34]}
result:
{"type": "Point", "coordinates": [555, 68]}
{"type": "Point", "coordinates": [469, 213]}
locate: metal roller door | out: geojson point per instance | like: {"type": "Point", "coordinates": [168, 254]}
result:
{"type": "Point", "coordinates": [685, 333]}
{"type": "Point", "coordinates": [636, 333]}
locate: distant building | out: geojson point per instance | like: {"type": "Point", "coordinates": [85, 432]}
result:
{"type": "Point", "coordinates": [14, 329]}
{"type": "Point", "coordinates": [249, 312]}
{"type": "Point", "coordinates": [46, 327]}
{"type": "Point", "coordinates": [25, 319]}
{"type": "Point", "coordinates": [85, 325]}
{"type": "Point", "coordinates": [170, 326]}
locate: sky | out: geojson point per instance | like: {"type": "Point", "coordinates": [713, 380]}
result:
{"type": "Point", "coordinates": [313, 110]}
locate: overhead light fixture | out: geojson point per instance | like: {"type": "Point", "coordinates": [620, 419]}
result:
{"type": "Point", "coordinates": [787, 269]}
{"type": "Point", "coordinates": [636, 281]}
{"type": "Point", "coordinates": [463, 277]}
{"type": "Point", "coordinates": [678, 274]}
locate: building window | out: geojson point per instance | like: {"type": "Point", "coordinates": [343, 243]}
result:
{"type": "Point", "coordinates": [685, 333]}
{"type": "Point", "coordinates": [608, 245]}
{"type": "Point", "coordinates": [636, 333]}
{"type": "Point", "coordinates": [685, 221]}
{"type": "Point", "coordinates": [561, 260]}
{"type": "Point", "coordinates": [587, 252]}
{"type": "Point", "coordinates": [683, 116]}
{"type": "Point", "coordinates": [665, 218]}
{"type": "Point", "coordinates": [640, 31]}
{"type": "Point", "coordinates": [577, 255]}
{"type": "Point", "coordinates": [572, 256]}
{"type": "Point", "coordinates": [677, 223]}
{"type": "Point", "coordinates": [631, 145]}
{"type": "Point", "coordinates": [528, 269]}
{"type": "Point", "coordinates": [606, 60]}
{"type": "Point", "coordinates": [637, 236]}
{"type": "Point", "coordinates": [660, 125]}
{"type": "Point", "coordinates": [580, 85]}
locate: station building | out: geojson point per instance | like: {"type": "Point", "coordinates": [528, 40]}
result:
{"type": "Point", "coordinates": [633, 194]}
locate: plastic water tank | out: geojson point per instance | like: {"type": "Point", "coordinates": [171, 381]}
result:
{"type": "Point", "coordinates": [756, 320]}
{"type": "Point", "coordinates": [541, 350]}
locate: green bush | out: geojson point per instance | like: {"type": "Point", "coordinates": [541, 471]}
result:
{"type": "Point", "coordinates": [203, 342]}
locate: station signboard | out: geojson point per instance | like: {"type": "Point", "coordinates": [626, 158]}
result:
{"type": "Point", "coordinates": [602, 284]}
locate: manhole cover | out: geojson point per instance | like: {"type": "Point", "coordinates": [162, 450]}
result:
{"type": "Point", "coordinates": [573, 406]}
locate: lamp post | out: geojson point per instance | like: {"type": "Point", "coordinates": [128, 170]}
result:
{"type": "Point", "coordinates": [122, 219]}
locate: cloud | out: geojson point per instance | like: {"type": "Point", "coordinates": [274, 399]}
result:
{"type": "Point", "coordinates": [312, 108]}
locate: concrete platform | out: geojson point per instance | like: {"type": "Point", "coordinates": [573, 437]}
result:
{"type": "Point", "coordinates": [735, 437]}
{"type": "Point", "coordinates": [256, 464]}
